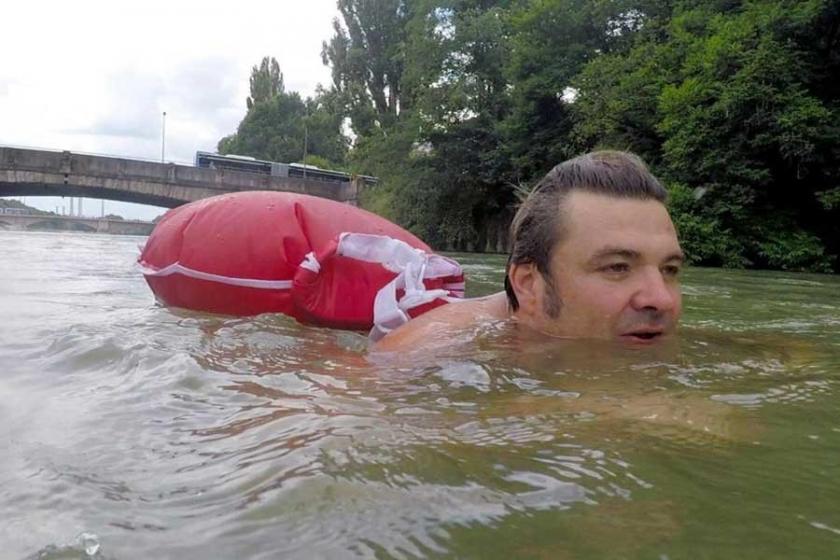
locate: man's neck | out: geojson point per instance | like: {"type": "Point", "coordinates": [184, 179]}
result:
{"type": "Point", "coordinates": [497, 306]}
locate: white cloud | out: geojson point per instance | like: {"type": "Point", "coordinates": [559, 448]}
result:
{"type": "Point", "coordinates": [95, 76]}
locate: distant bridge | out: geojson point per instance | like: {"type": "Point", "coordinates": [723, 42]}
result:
{"type": "Point", "coordinates": [29, 172]}
{"type": "Point", "coordinates": [55, 222]}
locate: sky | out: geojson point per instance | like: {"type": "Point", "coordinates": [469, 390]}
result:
{"type": "Point", "coordinates": [96, 76]}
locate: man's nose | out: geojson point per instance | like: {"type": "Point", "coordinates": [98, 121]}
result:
{"type": "Point", "coordinates": [654, 292]}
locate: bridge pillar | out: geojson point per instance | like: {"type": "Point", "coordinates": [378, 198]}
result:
{"type": "Point", "coordinates": [66, 164]}
{"type": "Point", "coordinates": [354, 188]}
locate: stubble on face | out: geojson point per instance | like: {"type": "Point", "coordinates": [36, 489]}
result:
{"type": "Point", "coordinates": [552, 303]}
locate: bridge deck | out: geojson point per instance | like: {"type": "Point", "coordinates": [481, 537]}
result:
{"type": "Point", "coordinates": [28, 172]}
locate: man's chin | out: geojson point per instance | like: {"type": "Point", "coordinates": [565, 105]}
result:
{"type": "Point", "coordinates": [636, 337]}
{"type": "Point", "coordinates": [651, 338]}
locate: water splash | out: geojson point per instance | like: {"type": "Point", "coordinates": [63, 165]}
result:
{"type": "Point", "coordinates": [89, 543]}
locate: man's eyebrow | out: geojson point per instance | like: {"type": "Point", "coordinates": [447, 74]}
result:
{"type": "Point", "coordinates": [631, 254]}
{"type": "Point", "coordinates": [623, 252]}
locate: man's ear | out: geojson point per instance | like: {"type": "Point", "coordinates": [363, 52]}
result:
{"type": "Point", "coordinates": [526, 282]}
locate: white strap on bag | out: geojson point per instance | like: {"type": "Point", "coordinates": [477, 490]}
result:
{"type": "Point", "coordinates": [411, 265]}
{"type": "Point", "coordinates": [177, 268]}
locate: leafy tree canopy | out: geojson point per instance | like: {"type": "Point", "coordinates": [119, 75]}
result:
{"type": "Point", "coordinates": [281, 126]}
{"type": "Point", "coordinates": [459, 105]}
{"type": "Point", "coordinates": [266, 82]}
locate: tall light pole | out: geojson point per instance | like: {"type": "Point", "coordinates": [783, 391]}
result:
{"type": "Point", "coordinates": [305, 140]}
{"type": "Point", "coordinates": [163, 138]}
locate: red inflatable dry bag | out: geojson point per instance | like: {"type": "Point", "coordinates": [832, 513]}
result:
{"type": "Point", "coordinates": [317, 260]}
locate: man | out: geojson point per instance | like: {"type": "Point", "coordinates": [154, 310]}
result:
{"type": "Point", "coordinates": [594, 255]}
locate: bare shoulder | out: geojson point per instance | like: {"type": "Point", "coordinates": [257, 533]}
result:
{"type": "Point", "coordinates": [443, 322]}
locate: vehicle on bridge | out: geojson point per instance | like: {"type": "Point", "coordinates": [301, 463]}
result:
{"type": "Point", "coordinates": [298, 170]}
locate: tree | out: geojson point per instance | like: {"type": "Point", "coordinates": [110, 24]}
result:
{"type": "Point", "coordinates": [459, 104]}
{"type": "Point", "coordinates": [266, 82]}
{"type": "Point", "coordinates": [324, 121]}
{"type": "Point", "coordinates": [367, 56]}
{"type": "Point", "coordinates": [552, 42]}
{"type": "Point", "coordinates": [727, 101]}
{"type": "Point", "coordinates": [278, 124]}
{"type": "Point", "coordinates": [271, 130]}
{"type": "Point", "coordinates": [445, 176]}
{"type": "Point", "coordinates": [740, 121]}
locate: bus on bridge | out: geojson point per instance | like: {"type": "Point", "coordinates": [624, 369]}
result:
{"type": "Point", "coordinates": [262, 167]}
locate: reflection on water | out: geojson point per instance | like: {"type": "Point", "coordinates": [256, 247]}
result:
{"type": "Point", "coordinates": [131, 430]}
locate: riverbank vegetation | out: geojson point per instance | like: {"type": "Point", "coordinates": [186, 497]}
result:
{"type": "Point", "coordinates": [460, 106]}
{"type": "Point", "coordinates": [19, 206]}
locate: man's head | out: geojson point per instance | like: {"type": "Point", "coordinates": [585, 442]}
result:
{"type": "Point", "coordinates": [594, 252]}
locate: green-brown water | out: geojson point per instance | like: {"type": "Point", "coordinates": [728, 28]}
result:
{"type": "Point", "coordinates": [142, 432]}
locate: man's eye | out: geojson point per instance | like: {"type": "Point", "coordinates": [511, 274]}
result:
{"type": "Point", "coordinates": [671, 270]}
{"type": "Point", "coordinates": [616, 268]}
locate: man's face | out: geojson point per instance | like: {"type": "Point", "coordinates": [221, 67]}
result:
{"type": "Point", "coordinates": [615, 274]}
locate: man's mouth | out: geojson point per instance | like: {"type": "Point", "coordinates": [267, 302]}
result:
{"type": "Point", "coordinates": [643, 336]}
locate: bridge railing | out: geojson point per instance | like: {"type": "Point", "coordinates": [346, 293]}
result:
{"type": "Point", "coordinates": [97, 154]}
{"type": "Point", "coordinates": [136, 158]}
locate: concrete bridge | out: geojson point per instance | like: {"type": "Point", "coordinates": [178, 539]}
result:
{"type": "Point", "coordinates": [28, 172]}
{"type": "Point", "coordinates": [54, 222]}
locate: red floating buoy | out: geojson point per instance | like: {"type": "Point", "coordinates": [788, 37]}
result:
{"type": "Point", "coordinates": [317, 260]}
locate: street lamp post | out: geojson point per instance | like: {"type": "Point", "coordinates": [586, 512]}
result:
{"type": "Point", "coordinates": [163, 138]}
{"type": "Point", "coordinates": [305, 140]}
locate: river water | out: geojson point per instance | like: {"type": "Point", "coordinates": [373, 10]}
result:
{"type": "Point", "coordinates": [128, 430]}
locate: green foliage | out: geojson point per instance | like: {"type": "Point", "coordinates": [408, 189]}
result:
{"type": "Point", "coordinates": [730, 98]}
{"type": "Point", "coordinates": [551, 42]}
{"type": "Point", "coordinates": [738, 111]}
{"type": "Point", "coordinates": [739, 117]}
{"type": "Point", "coordinates": [570, 73]}
{"type": "Point", "coordinates": [791, 248]}
{"type": "Point", "coordinates": [367, 55]}
{"type": "Point", "coordinates": [458, 106]}
{"type": "Point", "coordinates": [830, 199]}
{"type": "Point", "coordinates": [439, 153]}
{"type": "Point", "coordinates": [272, 130]}
{"type": "Point", "coordinates": [702, 236]}
{"type": "Point", "coordinates": [266, 82]}
{"type": "Point", "coordinates": [12, 203]}
{"type": "Point", "coordinates": [320, 162]}
{"type": "Point", "coordinates": [770, 242]}
{"type": "Point", "coordinates": [402, 173]}
{"type": "Point", "coordinates": [324, 136]}
{"type": "Point", "coordinates": [617, 103]}
{"type": "Point", "coordinates": [380, 200]}
{"type": "Point", "coordinates": [282, 127]}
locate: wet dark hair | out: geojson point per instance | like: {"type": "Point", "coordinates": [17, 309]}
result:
{"type": "Point", "coordinates": [537, 227]}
